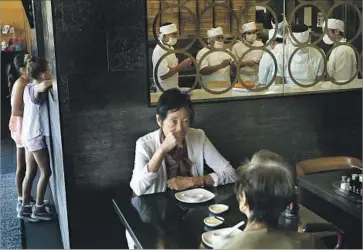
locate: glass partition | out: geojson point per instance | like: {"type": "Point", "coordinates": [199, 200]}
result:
{"type": "Point", "coordinates": [329, 59]}
{"type": "Point", "coordinates": [218, 49]}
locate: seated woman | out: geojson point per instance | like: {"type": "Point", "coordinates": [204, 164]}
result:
{"type": "Point", "coordinates": [174, 155]}
{"type": "Point", "coordinates": [264, 188]}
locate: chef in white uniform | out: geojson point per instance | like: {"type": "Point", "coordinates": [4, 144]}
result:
{"type": "Point", "coordinates": [307, 65]}
{"type": "Point", "coordinates": [281, 26]}
{"type": "Point", "coordinates": [267, 65]}
{"type": "Point", "coordinates": [169, 68]}
{"type": "Point", "coordinates": [249, 66]}
{"type": "Point", "coordinates": [215, 67]}
{"type": "Point", "coordinates": [342, 63]}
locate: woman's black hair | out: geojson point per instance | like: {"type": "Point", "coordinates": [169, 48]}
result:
{"type": "Point", "coordinates": [165, 24]}
{"type": "Point", "coordinates": [298, 28]}
{"type": "Point", "coordinates": [13, 70]}
{"type": "Point", "coordinates": [174, 99]}
{"type": "Point", "coordinates": [19, 61]}
{"type": "Point", "coordinates": [268, 185]}
{"type": "Point", "coordinates": [12, 75]}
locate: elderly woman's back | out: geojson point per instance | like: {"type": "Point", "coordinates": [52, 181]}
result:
{"type": "Point", "coordinates": [274, 239]}
{"type": "Point", "coordinates": [264, 187]}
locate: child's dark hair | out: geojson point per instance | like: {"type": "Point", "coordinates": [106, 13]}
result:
{"type": "Point", "coordinates": [35, 66]}
{"type": "Point", "coordinates": [13, 70]}
{"type": "Point", "coordinates": [174, 99]}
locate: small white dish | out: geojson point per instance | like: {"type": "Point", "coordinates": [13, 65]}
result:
{"type": "Point", "coordinates": [211, 238]}
{"type": "Point", "coordinates": [218, 208]}
{"type": "Point", "coordinates": [196, 195]}
{"type": "Point", "coordinates": [212, 222]}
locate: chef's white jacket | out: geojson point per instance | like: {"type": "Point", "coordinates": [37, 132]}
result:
{"type": "Point", "coordinates": [213, 59]}
{"type": "Point", "coordinates": [342, 63]}
{"type": "Point", "coordinates": [170, 61]}
{"type": "Point", "coordinates": [267, 65]}
{"type": "Point", "coordinates": [248, 73]}
{"type": "Point", "coordinates": [306, 65]}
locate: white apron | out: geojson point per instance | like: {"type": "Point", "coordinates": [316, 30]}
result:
{"type": "Point", "coordinates": [170, 61]}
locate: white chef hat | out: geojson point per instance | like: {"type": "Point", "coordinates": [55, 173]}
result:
{"type": "Point", "coordinates": [168, 29]}
{"type": "Point", "coordinates": [215, 32]}
{"type": "Point", "coordinates": [300, 32]}
{"type": "Point", "coordinates": [335, 24]}
{"type": "Point", "coordinates": [271, 33]}
{"type": "Point", "coordinates": [248, 26]}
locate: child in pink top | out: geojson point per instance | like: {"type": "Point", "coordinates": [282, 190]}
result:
{"type": "Point", "coordinates": [17, 80]}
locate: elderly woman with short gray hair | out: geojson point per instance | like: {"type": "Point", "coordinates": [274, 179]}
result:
{"type": "Point", "coordinates": [264, 187]}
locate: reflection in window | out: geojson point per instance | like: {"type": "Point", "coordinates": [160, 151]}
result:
{"type": "Point", "coordinates": [238, 48]}
{"type": "Point", "coordinates": [249, 60]}
{"type": "Point", "coordinates": [342, 62]}
{"type": "Point", "coordinates": [215, 66]}
{"type": "Point", "coordinates": [166, 66]}
{"type": "Point", "coordinates": [305, 65]}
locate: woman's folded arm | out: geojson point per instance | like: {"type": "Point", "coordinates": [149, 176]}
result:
{"type": "Point", "coordinates": [142, 179]}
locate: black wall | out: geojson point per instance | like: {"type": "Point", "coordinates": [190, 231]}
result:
{"type": "Point", "coordinates": [45, 48]}
{"type": "Point", "coordinates": [101, 72]}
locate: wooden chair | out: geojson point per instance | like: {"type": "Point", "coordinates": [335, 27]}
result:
{"type": "Point", "coordinates": [320, 165]}
{"type": "Point", "coordinates": [325, 164]}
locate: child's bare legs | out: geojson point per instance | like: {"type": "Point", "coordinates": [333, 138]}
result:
{"type": "Point", "coordinates": [20, 170]}
{"type": "Point", "coordinates": [42, 159]}
{"type": "Point", "coordinates": [31, 170]}
{"type": "Point", "coordinates": [25, 210]}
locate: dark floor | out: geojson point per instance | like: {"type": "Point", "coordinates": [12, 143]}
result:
{"type": "Point", "coordinates": [40, 235]}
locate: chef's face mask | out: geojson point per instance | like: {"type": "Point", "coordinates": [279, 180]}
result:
{"type": "Point", "coordinates": [327, 39]}
{"type": "Point", "coordinates": [302, 37]}
{"type": "Point", "coordinates": [172, 41]}
{"type": "Point", "coordinates": [251, 37]}
{"type": "Point", "coordinates": [218, 44]}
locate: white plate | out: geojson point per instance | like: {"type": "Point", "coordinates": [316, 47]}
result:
{"type": "Point", "coordinates": [212, 222]}
{"type": "Point", "coordinates": [196, 195]}
{"type": "Point", "coordinates": [218, 208]}
{"type": "Point", "coordinates": [207, 237]}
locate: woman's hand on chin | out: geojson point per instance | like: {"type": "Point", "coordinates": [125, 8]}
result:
{"type": "Point", "coordinates": [170, 142]}
{"type": "Point", "coordinates": [180, 183]}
